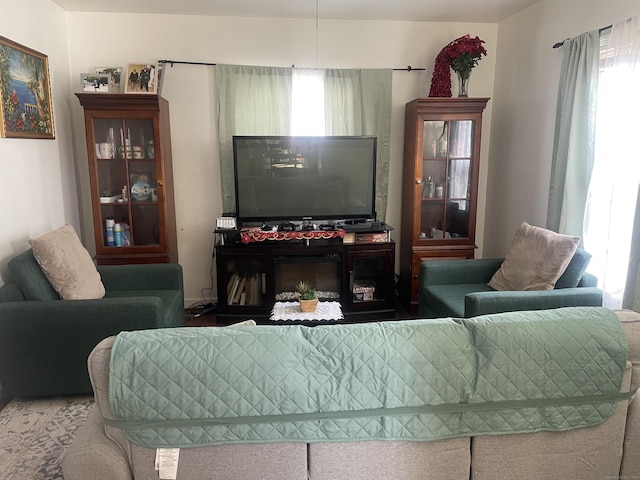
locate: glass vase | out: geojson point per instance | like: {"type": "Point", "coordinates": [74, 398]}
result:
{"type": "Point", "coordinates": [463, 84]}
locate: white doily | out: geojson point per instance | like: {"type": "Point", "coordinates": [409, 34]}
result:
{"type": "Point", "coordinates": [290, 311]}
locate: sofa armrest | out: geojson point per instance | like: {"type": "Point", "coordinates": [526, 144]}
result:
{"type": "Point", "coordinates": [156, 276]}
{"type": "Point", "coordinates": [453, 272]}
{"type": "Point", "coordinates": [44, 345]}
{"type": "Point", "coordinates": [483, 303]}
{"type": "Point", "coordinates": [131, 313]}
{"type": "Point", "coordinates": [588, 280]}
{"type": "Point", "coordinates": [94, 456]}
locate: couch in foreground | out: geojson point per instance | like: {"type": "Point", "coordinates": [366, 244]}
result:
{"type": "Point", "coordinates": [45, 340]}
{"type": "Point", "coordinates": [607, 449]}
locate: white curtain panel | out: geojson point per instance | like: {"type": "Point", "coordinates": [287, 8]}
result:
{"type": "Point", "coordinates": [611, 201]}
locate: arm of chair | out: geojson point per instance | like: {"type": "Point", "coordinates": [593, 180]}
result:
{"type": "Point", "coordinates": [453, 272]}
{"type": "Point", "coordinates": [588, 280]}
{"type": "Point", "coordinates": [156, 276]}
{"type": "Point", "coordinates": [106, 316]}
{"type": "Point", "coordinates": [93, 455]}
{"type": "Point", "coordinates": [44, 345]}
{"type": "Point", "coordinates": [483, 303]}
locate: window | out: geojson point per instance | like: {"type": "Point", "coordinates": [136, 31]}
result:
{"type": "Point", "coordinates": [307, 102]}
{"type": "Point", "coordinates": [613, 191]}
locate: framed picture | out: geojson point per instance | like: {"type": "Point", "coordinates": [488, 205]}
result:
{"type": "Point", "coordinates": [95, 82]}
{"type": "Point", "coordinates": [26, 110]}
{"type": "Point", "coordinates": [116, 74]}
{"type": "Point", "coordinates": [141, 78]}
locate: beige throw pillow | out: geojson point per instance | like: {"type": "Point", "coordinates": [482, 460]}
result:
{"type": "Point", "coordinates": [67, 264]}
{"type": "Point", "coordinates": [536, 260]}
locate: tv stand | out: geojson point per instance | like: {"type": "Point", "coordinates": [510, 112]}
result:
{"type": "Point", "coordinates": [252, 276]}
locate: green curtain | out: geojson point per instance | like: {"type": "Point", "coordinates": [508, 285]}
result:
{"type": "Point", "coordinates": [251, 101]}
{"type": "Point", "coordinates": [573, 148]}
{"type": "Point", "coordinates": [358, 102]}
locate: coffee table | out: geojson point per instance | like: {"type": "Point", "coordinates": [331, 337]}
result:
{"type": "Point", "coordinates": [326, 313]}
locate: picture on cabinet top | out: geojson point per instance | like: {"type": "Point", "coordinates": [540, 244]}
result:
{"type": "Point", "coordinates": [26, 110]}
{"type": "Point", "coordinates": [95, 82]}
{"type": "Point", "coordinates": [116, 74]}
{"type": "Point", "coordinates": [141, 78]}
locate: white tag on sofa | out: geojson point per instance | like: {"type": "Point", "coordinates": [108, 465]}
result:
{"type": "Point", "coordinates": [167, 463]}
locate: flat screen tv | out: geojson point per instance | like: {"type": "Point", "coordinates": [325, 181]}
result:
{"type": "Point", "coordinates": [293, 178]}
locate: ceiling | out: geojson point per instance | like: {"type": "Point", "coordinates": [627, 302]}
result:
{"type": "Point", "coordinates": [468, 11]}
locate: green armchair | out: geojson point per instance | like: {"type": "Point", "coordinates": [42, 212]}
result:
{"type": "Point", "coordinates": [45, 341]}
{"type": "Point", "coordinates": [458, 288]}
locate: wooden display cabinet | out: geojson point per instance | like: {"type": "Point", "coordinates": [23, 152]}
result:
{"type": "Point", "coordinates": [440, 185]}
{"type": "Point", "coordinates": [129, 153]}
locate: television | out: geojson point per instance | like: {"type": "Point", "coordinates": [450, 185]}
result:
{"type": "Point", "coordinates": [298, 178]}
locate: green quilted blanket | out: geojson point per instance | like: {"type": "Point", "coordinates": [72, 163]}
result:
{"type": "Point", "coordinates": [407, 380]}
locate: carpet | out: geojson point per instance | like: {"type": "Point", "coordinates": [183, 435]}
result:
{"type": "Point", "coordinates": [34, 435]}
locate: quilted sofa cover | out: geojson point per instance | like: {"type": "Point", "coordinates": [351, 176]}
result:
{"type": "Point", "coordinates": [520, 372]}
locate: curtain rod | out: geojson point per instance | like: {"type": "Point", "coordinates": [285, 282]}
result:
{"type": "Point", "coordinates": [559, 44]}
{"type": "Point", "coordinates": [172, 62]}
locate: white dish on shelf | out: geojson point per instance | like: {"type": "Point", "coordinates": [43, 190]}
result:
{"type": "Point", "coordinates": [110, 199]}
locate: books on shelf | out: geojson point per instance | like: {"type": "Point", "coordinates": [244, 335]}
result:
{"type": "Point", "coordinates": [243, 289]}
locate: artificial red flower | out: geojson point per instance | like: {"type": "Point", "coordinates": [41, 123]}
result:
{"type": "Point", "coordinates": [461, 56]}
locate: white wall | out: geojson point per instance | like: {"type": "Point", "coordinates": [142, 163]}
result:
{"type": "Point", "coordinates": [525, 95]}
{"type": "Point", "coordinates": [37, 177]}
{"type": "Point", "coordinates": [115, 39]}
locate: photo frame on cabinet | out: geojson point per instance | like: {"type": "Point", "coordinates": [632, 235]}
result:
{"type": "Point", "coordinates": [95, 82]}
{"type": "Point", "coordinates": [26, 109]}
{"type": "Point", "coordinates": [116, 75]}
{"type": "Point", "coordinates": [141, 78]}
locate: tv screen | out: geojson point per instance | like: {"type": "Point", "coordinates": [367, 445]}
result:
{"type": "Point", "coordinates": [304, 178]}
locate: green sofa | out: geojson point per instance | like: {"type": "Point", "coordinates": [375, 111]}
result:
{"type": "Point", "coordinates": [45, 341]}
{"type": "Point", "coordinates": [458, 288]}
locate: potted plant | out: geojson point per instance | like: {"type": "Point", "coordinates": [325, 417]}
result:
{"type": "Point", "coordinates": [306, 296]}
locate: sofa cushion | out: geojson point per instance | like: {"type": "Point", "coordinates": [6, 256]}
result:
{"type": "Point", "coordinates": [30, 278]}
{"type": "Point", "coordinates": [67, 264]}
{"type": "Point", "coordinates": [575, 270]}
{"type": "Point", "coordinates": [536, 259]}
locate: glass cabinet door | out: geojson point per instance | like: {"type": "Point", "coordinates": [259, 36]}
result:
{"type": "Point", "coordinates": [447, 161]}
{"type": "Point", "coordinates": [127, 181]}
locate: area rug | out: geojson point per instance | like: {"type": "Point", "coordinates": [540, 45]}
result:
{"type": "Point", "coordinates": [34, 435]}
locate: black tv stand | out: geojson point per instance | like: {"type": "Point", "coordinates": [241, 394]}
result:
{"type": "Point", "coordinates": [252, 277]}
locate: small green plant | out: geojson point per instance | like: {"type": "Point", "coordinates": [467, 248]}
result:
{"type": "Point", "coordinates": [305, 290]}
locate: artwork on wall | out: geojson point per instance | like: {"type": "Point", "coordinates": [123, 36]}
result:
{"type": "Point", "coordinates": [116, 74]}
{"type": "Point", "coordinates": [141, 78]}
{"type": "Point", "coordinates": [95, 82]}
{"type": "Point", "coordinates": [26, 110]}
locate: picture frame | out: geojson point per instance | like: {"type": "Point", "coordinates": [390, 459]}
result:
{"type": "Point", "coordinates": [116, 75]}
{"type": "Point", "coordinates": [26, 108]}
{"type": "Point", "coordinates": [95, 82]}
{"type": "Point", "coordinates": [141, 78]}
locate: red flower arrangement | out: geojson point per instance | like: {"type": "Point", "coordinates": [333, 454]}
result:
{"type": "Point", "coordinates": [461, 56]}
